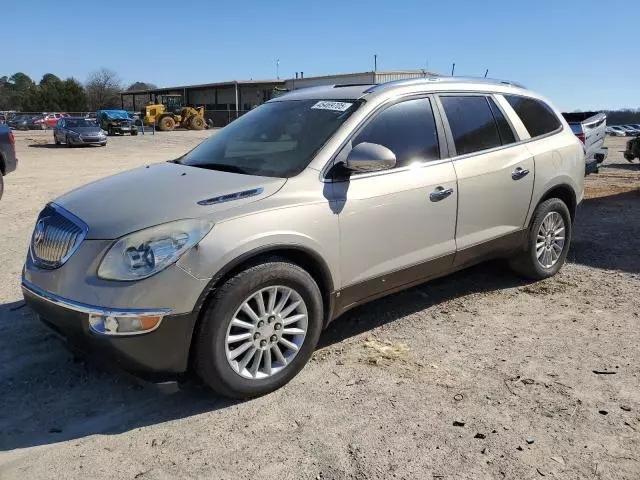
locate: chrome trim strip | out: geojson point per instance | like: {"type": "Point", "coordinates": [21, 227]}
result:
{"type": "Point", "coordinates": [90, 309]}
{"type": "Point", "coordinates": [232, 196]}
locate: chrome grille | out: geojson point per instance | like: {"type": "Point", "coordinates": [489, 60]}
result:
{"type": "Point", "coordinates": [57, 235]}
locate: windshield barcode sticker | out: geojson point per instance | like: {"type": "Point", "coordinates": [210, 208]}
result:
{"type": "Point", "coordinates": [335, 106]}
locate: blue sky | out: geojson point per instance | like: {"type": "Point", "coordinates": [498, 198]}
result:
{"type": "Point", "coordinates": [582, 54]}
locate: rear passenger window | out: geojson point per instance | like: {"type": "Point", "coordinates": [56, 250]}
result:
{"type": "Point", "coordinates": [408, 129]}
{"type": "Point", "coordinates": [471, 122]}
{"type": "Point", "coordinates": [506, 134]}
{"type": "Point", "coordinates": [537, 117]}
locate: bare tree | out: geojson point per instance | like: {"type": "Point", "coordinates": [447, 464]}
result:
{"type": "Point", "coordinates": [103, 89]}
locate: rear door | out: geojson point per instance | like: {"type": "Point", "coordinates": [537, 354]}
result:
{"type": "Point", "coordinates": [495, 173]}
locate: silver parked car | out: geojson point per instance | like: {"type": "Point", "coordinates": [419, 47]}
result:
{"type": "Point", "coordinates": [232, 258]}
{"type": "Point", "coordinates": [74, 131]}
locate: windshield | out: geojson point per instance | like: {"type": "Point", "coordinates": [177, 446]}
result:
{"type": "Point", "coordinates": [80, 122]}
{"type": "Point", "coordinates": [277, 139]}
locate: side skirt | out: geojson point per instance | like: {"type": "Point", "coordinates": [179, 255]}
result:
{"type": "Point", "coordinates": [372, 289]}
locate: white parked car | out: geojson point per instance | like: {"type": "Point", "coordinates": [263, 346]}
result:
{"type": "Point", "coordinates": [616, 131]}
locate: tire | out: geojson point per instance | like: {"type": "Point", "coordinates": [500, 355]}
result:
{"type": "Point", "coordinates": [210, 342]}
{"type": "Point", "coordinates": [110, 131]}
{"type": "Point", "coordinates": [56, 141]}
{"type": "Point", "coordinates": [196, 123]}
{"type": "Point", "coordinates": [526, 263]}
{"type": "Point", "coordinates": [166, 123]}
{"type": "Point", "coordinates": [67, 143]}
{"type": "Point", "coordinates": [134, 133]}
{"type": "Point", "coordinates": [1, 185]}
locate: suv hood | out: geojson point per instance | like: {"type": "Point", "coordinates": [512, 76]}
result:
{"type": "Point", "coordinates": [160, 193]}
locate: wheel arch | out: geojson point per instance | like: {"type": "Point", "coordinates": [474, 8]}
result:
{"type": "Point", "coordinates": [563, 192]}
{"type": "Point", "coordinates": [3, 164]}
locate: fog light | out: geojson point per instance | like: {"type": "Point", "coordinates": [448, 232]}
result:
{"type": "Point", "coordinates": [123, 325]}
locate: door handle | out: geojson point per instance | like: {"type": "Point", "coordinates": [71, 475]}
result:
{"type": "Point", "coordinates": [519, 173]}
{"type": "Point", "coordinates": [440, 193]}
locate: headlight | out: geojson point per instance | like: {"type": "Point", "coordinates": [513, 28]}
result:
{"type": "Point", "coordinates": [147, 252]}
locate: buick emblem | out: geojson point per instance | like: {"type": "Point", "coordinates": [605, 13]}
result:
{"type": "Point", "coordinates": [38, 233]}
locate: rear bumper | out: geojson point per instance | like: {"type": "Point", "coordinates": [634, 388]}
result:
{"type": "Point", "coordinates": [160, 356]}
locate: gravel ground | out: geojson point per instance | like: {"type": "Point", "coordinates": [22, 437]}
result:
{"type": "Point", "coordinates": [477, 375]}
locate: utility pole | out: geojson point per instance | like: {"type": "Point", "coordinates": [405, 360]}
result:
{"type": "Point", "coordinates": [375, 62]}
{"type": "Point", "coordinates": [278, 69]}
{"type": "Point", "coordinates": [453, 69]}
{"type": "Point", "coordinates": [486, 72]}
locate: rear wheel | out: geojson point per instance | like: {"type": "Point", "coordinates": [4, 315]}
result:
{"type": "Point", "coordinates": [196, 123]}
{"type": "Point", "coordinates": [1, 185]}
{"type": "Point", "coordinates": [547, 242]}
{"type": "Point", "coordinates": [67, 142]}
{"type": "Point", "coordinates": [55, 139]}
{"type": "Point", "coordinates": [134, 132]}
{"type": "Point", "coordinates": [259, 330]}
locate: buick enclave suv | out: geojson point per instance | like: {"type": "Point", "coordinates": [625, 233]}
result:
{"type": "Point", "coordinates": [230, 260]}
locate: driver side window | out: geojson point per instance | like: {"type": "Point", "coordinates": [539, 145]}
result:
{"type": "Point", "coordinates": [407, 128]}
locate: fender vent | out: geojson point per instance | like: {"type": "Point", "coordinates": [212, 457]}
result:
{"type": "Point", "coordinates": [232, 196]}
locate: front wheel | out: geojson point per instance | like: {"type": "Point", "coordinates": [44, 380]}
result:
{"type": "Point", "coordinates": [547, 242]}
{"type": "Point", "coordinates": [259, 330]}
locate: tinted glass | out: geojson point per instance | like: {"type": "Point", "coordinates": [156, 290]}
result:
{"type": "Point", "coordinates": [506, 134]}
{"type": "Point", "coordinates": [408, 129]}
{"type": "Point", "coordinates": [277, 139]}
{"type": "Point", "coordinates": [537, 117]}
{"type": "Point", "coordinates": [471, 123]}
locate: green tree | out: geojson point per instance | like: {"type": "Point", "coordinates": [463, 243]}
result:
{"type": "Point", "coordinates": [50, 93]}
{"type": "Point", "coordinates": [141, 86]}
{"type": "Point", "coordinates": [73, 95]}
{"type": "Point", "coordinates": [23, 92]}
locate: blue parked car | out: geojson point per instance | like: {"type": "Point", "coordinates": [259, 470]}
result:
{"type": "Point", "coordinates": [116, 122]}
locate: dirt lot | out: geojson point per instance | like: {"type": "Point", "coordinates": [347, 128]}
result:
{"type": "Point", "coordinates": [478, 375]}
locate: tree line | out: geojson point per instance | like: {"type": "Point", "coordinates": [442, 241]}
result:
{"type": "Point", "coordinates": [52, 94]}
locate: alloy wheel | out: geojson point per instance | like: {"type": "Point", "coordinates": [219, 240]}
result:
{"type": "Point", "coordinates": [266, 332]}
{"type": "Point", "coordinates": [550, 239]}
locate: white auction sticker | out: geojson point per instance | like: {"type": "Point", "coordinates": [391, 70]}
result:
{"type": "Point", "coordinates": [335, 106]}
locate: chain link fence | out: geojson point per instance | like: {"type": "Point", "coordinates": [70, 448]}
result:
{"type": "Point", "coordinates": [44, 121]}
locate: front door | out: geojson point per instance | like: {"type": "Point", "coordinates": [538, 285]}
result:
{"type": "Point", "coordinates": [397, 226]}
{"type": "Point", "coordinates": [495, 173]}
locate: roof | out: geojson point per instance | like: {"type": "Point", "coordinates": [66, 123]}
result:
{"type": "Point", "coordinates": [344, 92]}
{"type": "Point", "coordinates": [228, 83]}
{"type": "Point", "coordinates": [326, 92]}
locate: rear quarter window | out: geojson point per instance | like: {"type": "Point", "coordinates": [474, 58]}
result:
{"type": "Point", "coordinates": [537, 117]}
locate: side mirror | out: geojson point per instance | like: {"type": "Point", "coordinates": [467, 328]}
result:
{"type": "Point", "coordinates": [370, 157]}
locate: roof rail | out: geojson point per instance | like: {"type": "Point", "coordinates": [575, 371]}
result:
{"type": "Point", "coordinates": [438, 79]}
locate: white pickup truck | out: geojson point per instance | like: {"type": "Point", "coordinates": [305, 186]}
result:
{"type": "Point", "coordinates": [590, 128]}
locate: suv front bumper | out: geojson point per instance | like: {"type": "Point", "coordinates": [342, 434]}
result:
{"type": "Point", "coordinates": [158, 356]}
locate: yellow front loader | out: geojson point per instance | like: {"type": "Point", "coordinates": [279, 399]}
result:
{"type": "Point", "coordinates": [169, 114]}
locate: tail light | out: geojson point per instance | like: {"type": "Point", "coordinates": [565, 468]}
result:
{"type": "Point", "coordinates": [581, 137]}
{"type": "Point", "coordinates": [12, 140]}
